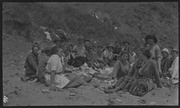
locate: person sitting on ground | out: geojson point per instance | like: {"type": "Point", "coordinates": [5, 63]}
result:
{"type": "Point", "coordinates": [122, 66]}
{"type": "Point", "coordinates": [87, 45]}
{"type": "Point", "coordinates": [127, 48]}
{"type": "Point", "coordinates": [108, 54]}
{"type": "Point", "coordinates": [165, 62]}
{"type": "Point", "coordinates": [174, 70]}
{"type": "Point", "coordinates": [144, 71]}
{"type": "Point", "coordinates": [55, 76]}
{"type": "Point", "coordinates": [155, 50]}
{"type": "Point", "coordinates": [80, 54]}
{"type": "Point", "coordinates": [31, 64]}
{"type": "Point", "coordinates": [92, 58]}
{"type": "Point", "coordinates": [43, 58]}
{"type": "Point", "coordinates": [125, 81]}
{"type": "Point", "coordinates": [117, 50]}
{"type": "Point", "coordinates": [100, 57]}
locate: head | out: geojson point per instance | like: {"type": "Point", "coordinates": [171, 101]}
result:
{"type": "Point", "coordinates": [151, 39]}
{"type": "Point", "coordinates": [174, 53]}
{"type": "Point", "coordinates": [124, 56]}
{"type": "Point", "coordinates": [80, 42]}
{"type": "Point", "coordinates": [56, 50]}
{"type": "Point", "coordinates": [46, 51]}
{"type": "Point", "coordinates": [35, 49]}
{"type": "Point", "coordinates": [126, 44]}
{"type": "Point", "coordinates": [87, 42]}
{"type": "Point", "coordinates": [117, 44]}
{"type": "Point", "coordinates": [110, 48]}
{"type": "Point", "coordinates": [143, 40]}
{"type": "Point", "coordinates": [165, 53]}
{"type": "Point", "coordinates": [137, 50]}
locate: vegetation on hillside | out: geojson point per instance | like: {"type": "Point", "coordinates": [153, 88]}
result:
{"type": "Point", "coordinates": [159, 18]}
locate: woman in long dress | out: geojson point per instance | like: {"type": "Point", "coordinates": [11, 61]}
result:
{"type": "Point", "coordinates": [55, 76]}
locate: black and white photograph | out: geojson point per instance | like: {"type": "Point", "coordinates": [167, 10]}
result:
{"type": "Point", "coordinates": [90, 53]}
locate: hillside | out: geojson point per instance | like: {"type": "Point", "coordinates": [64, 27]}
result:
{"type": "Point", "coordinates": [103, 22]}
{"type": "Point", "coordinates": [109, 21]}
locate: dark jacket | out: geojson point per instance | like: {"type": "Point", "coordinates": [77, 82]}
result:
{"type": "Point", "coordinates": [31, 64]}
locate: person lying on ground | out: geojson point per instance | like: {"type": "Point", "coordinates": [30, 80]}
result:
{"type": "Point", "coordinates": [54, 73]}
{"type": "Point", "coordinates": [121, 67]}
{"type": "Point", "coordinates": [31, 64]}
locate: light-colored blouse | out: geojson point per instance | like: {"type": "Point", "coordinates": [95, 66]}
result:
{"type": "Point", "coordinates": [54, 64]}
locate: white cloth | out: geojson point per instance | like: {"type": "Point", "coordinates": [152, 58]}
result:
{"type": "Point", "coordinates": [48, 35]}
{"type": "Point", "coordinates": [60, 80]}
{"type": "Point", "coordinates": [107, 54]}
{"type": "Point", "coordinates": [54, 63]}
{"type": "Point", "coordinates": [174, 70]}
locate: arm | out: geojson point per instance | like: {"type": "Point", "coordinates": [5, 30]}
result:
{"type": "Point", "coordinates": [175, 69]}
{"type": "Point", "coordinates": [32, 62]}
{"type": "Point", "coordinates": [156, 75]}
{"type": "Point", "coordinates": [116, 68]}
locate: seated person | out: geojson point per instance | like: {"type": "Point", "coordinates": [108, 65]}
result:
{"type": "Point", "coordinates": [54, 73]}
{"type": "Point", "coordinates": [108, 55]}
{"type": "Point", "coordinates": [80, 55]}
{"type": "Point", "coordinates": [116, 50]}
{"type": "Point", "coordinates": [174, 70]}
{"type": "Point", "coordinates": [122, 66]}
{"type": "Point", "coordinates": [146, 71]}
{"type": "Point", "coordinates": [165, 62]}
{"type": "Point", "coordinates": [31, 64]}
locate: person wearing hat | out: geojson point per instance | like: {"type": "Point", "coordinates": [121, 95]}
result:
{"type": "Point", "coordinates": [174, 70]}
{"type": "Point", "coordinates": [154, 50]}
{"type": "Point", "coordinates": [165, 62]}
{"type": "Point", "coordinates": [108, 54]}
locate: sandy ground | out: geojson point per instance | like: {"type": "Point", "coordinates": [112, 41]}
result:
{"type": "Point", "coordinates": [30, 93]}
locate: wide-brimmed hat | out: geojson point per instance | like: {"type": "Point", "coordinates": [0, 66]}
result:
{"type": "Point", "coordinates": [126, 42]}
{"type": "Point", "coordinates": [175, 50]}
{"type": "Point", "coordinates": [110, 45]}
{"type": "Point", "coordinates": [151, 37]}
{"type": "Point", "coordinates": [165, 50]}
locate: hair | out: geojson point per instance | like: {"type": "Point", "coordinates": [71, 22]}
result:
{"type": "Point", "coordinates": [35, 45]}
{"type": "Point", "coordinates": [117, 42]}
{"type": "Point", "coordinates": [126, 42]}
{"type": "Point", "coordinates": [151, 37]}
{"type": "Point", "coordinates": [124, 52]}
{"type": "Point", "coordinates": [46, 51]}
{"type": "Point", "coordinates": [54, 50]}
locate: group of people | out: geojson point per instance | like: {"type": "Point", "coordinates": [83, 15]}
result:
{"type": "Point", "coordinates": [137, 70]}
